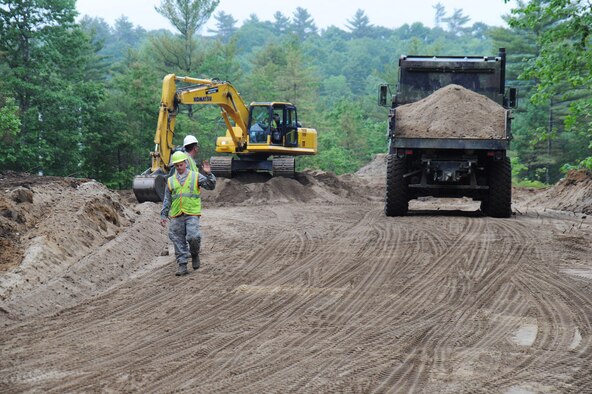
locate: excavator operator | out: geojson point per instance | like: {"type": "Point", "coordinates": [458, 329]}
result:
{"type": "Point", "coordinates": [276, 133]}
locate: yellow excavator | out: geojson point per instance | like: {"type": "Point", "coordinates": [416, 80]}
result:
{"type": "Point", "coordinates": [264, 136]}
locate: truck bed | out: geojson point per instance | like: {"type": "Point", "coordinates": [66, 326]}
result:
{"type": "Point", "coordinates": [451, 143]}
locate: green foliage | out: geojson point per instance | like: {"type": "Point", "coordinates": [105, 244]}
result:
{"type": "Point", "coordinates": [49, 58]}
{"type": "Point", "coordinates": [10, 125]}
{"type": "Point", "coordinates": [187, 16]}
{"type": "Point", "coordinates": [225, 26]}
{"type": "Point", "coordinates": [83, 99]}
{"type": "Point", "coordinates": [586, 163]}
{"type": "Point", "coordinates": [303, 24]}
{"type": "Point", "coordinates": [561, 66]}
{"type": "Point", "coordinates": [529, 184]}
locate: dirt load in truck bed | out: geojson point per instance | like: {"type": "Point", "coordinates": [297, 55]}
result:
{"type": "Point", "coordinates": [451, 112]}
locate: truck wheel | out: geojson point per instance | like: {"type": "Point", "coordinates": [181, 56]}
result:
{"type": "Point", "coordinates": [483, 207]}
{"type": "Point", "coordinates": [397, 191]}
{"type": "Point", "coordinates": [499, 203]}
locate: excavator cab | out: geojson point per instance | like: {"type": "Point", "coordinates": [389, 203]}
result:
{"type": "Point", "coordinates": [274, 136]}
{"type": "Point", "coordinates": [273, 124]}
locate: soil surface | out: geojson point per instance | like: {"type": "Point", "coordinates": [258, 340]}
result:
{"type": "Point", "coordinates": [452, 112]}
{"type": "Point", "coordinates": [305, 286]}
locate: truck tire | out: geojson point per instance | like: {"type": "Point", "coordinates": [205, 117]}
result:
{"type": "Point", "coordinates": [499, 202]}
{"type": "Point", "coordinates": [397, 191]}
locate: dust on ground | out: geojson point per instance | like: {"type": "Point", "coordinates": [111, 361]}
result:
{"type": "Point", "coordinates": [452, 112]}
{"type": "Point", "coordinates": [305, 286]}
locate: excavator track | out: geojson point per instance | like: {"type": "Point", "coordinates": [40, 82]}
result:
{"type": "Point", "coordinates": [221, 166]}
{"type": "Point", "coordinates": [283, 166]}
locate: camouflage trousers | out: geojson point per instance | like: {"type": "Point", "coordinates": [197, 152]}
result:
{"type": "Point", "coordinates": [186, 237]}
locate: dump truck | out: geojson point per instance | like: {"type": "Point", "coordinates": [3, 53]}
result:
{"type": "Point", "coordinates": [449, 130]}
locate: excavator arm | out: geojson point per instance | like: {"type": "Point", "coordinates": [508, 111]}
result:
{"type": "Point", "coordinates": [201, 92]}
{"type": "Point", "coordinates": [150, 185]}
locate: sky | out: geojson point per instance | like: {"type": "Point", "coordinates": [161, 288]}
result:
{"type": "Point", "coordinates": [386, 13]}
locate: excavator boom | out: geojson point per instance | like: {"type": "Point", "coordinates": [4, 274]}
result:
{"type": "Point", "coordinates": [242, 124]}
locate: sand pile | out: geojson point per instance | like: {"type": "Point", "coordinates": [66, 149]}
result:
{"type": "Point", "coordinates": [452, 112]}
{"type": "Point", "coordinates": [573, 193]}
{"type": "Point", "coordinates": [375, 168]}
{"type": "Point", "coordinates": [260, 188]}
{"type": "Point", "coordinates": [61, 237]}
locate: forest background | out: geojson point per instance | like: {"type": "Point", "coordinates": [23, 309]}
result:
{"type": "Point", "coordinates": [80, 98]}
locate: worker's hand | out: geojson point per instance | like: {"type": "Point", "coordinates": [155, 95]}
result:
{"type": "Point", "coordinates": [163, 222]}
{"type": "Point", "coordinates": [206, 167]}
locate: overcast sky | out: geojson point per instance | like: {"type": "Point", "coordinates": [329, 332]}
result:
{"type": "Point", "coordinates": [386, 13]}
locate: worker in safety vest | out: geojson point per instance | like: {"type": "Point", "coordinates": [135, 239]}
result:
{"type": "Point", "coordinates": [182, 205]}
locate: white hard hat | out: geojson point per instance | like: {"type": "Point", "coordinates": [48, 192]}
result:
{"type": "Point", "coordinates": [190, 140]}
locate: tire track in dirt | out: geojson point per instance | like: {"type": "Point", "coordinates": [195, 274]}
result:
{"type": "Point", "coordinates": [342, 313]}
{"type": "Point", "coordinates": [175, 351]}
{"type": "Point", "coordinates": [559, 310]}
{"type": "Point", "coordinates": [346, 306]}
{"type": "Point", "coordinates": [465, 301]}
{"type": "Point", "coordinates": [321, 259]}
{"type": "Point", "coordinates": [331, 302]}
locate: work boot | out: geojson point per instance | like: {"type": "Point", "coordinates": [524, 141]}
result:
{"type": "Point", "coordinates": [195, 261]}
{"type": "Point", "coordinates": [182, 270]}
{"type": "Point", "coordinates": [194, 247]}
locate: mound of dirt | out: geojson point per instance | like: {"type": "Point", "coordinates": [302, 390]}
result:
{"type": "Point", "coordinates": [573, 193]}
{"type": "Point", "coordinates": [375, 168]}
{"type": "Point", "coordinates": [49, 227]}
{"type": "Point", "coordinates": [64, 239]}
{"type": "Point", "coordinates": [452, 112]}
{"type": "Point", "coordinates": [308, 186]}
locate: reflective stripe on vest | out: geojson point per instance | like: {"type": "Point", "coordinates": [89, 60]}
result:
{"type": "Point", "coordinates": [186, 198]}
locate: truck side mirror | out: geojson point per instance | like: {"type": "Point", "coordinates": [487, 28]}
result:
{"type": "Point", "coordinates": [382, 95]}
{"type": "Point", "coordinates": [513, 97]}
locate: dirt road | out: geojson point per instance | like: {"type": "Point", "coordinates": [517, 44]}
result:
{"type": "Point", "coordinates": [305, 286]}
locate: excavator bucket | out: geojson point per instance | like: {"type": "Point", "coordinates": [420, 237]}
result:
{"type": "Point", "coordinates": [149, 187]}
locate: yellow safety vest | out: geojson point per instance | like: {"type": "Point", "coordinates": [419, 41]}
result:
{"type": "Point", "coordinates": [186, 198]}
{"type": "Point", "coordinates": [192, 165]}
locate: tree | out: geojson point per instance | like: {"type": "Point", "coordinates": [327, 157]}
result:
{"type": "Point", "coordinates": [440, 14]}
{"type": "Point", "coordinates": [126, 34]}
{"type": "Point", "coordinates": [563, 66]}
{"type": "Point", "coordinates": [281, 23]}
{"type": "Point", "coordinates": [10, 125]}
{"type": "Point", "coordinates": [48, 58]}
{"type": "Point", "coordinates": [187, 16]}
{"type": "Point", "coordinates": [302, 24]}
{"type": "Point", "coordinates": [225, 26]}
{"type": "Point", "coordinates": [456, 21]}
{"type": "Point", "coordinates": [297, 82]}
{"type": "Point", "coordinates": [359, 25]}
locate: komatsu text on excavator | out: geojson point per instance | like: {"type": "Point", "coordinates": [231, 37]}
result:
{"type": "Point", "coordinates": [264, 136]}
